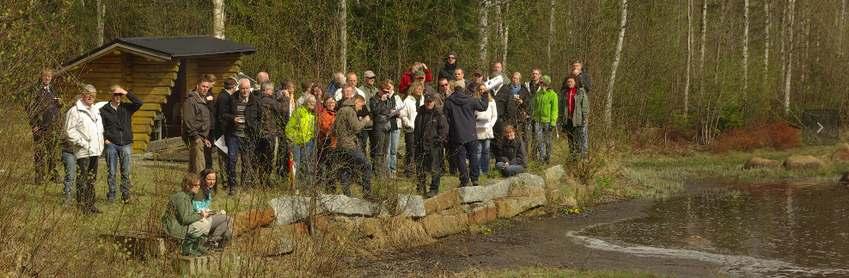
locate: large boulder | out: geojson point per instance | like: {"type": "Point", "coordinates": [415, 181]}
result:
{"type": "Point", "coordinates": [290, 209]}
{"type": "Point", "coordinates": [344, 205]}
{"type": "Point", "coordinates": [841, 153]}
{"type": "Point", "coordinates": [760, 162]}
{"type": "Point", "coordinates": [521, 199]}
{"type": "Point", "coordinates": [411, 205]}
{"type": "Point", "coordinates": [799, 162]}
{"type": "Point", "coordinates": [554, 177]}
{"type": "Point", "coordinates": [481, 213]}
{"type": "Point", "coordinates": [442, 201]}
{"type": "Point", "coordinates": [473, 194]}
{"type": "Point", "coordinates": [252, 219]}
{"type": "Point", "coordinates": [445, 223]}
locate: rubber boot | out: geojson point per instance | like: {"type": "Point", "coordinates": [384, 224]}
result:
{"type": "Point", "coordinates": [187, 246]}
{"type": "Point", "coordinates": [200, 246]}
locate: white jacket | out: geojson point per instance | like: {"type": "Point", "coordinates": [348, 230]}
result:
{"type": "Point", "coordinates": [408, 116]}
{"type": "Point", "coordinates": [399, 106]}
{"type": "Point", "coordinates": [84, 129]}
{"type": "Point", "coordinates": [486, 120]}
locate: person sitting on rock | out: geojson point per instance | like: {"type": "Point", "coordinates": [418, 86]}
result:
{"type": "Point", "coordinates": [510, 153]}
{"type": "Point", "coordinates": [179, 215]}
{"type": "Point", "coordinates": [216, 227]}
{"type": "Point", "coordinates": [431, 133]}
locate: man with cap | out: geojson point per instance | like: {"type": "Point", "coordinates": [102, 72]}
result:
{"type": "Point", "coordinates": [432, 134]}
{"type": "Point", "coordinates": [447, 71]}
{"type": "Point", "coordinates": [477, 79]}
{"type": "Point", "coordinates": [118, 133]}
{"type": "Point", "coordinates": [544, 117]}
{"type": "Point", "coordinates": [368, 87]}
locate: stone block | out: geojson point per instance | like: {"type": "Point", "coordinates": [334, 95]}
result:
{"type": "Point", "coordinates": [472, 194]}
{"type": "Point", "coordinates": [411, 205]}
{"type": "Point", "coordinates": [482, 214]}
{"type": "Point", "coordinates": [760, 162]}
{"type": "Point", "coordinates": [344, 205]}
{"type": "Point", "coordinates": [512, 206]}
{"type": "Point", "coordinates": [799, 162]}
{"type": "Point", "coordinates": [290, 209]}
{"type": "Point", "coordinates": [442, 201]}
{"type": "Point", "coordinates": [440, 225]}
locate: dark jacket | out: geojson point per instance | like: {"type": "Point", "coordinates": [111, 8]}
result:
{"type": "Point", "coordinates": [118, 124]}
{"type": "Point", "coordinates": [196, 118]}
{"type": "Point", "coordinates": [510, 111]}
{"type": "Point", "coordinates": [348, 126]}
{"type": "Point", "coordinates": [222, 105]}
{"type": "Point", "coordinates": [447, 71]}
{"type": "Point", "coordinates": [584, 81]}
{"type": "Point", "coordinates": [253, 117]}
{"type": "Point", "coordinates": [431, 129]}
{"type": "Point", "coordinates": [510, 151]}
{"type": "Point", "coordinates": [460, 111]}
{"type": "Point", "coordinates": [272, 112]}
{"type": "Point", "coordinates": [381, 113]}
{"type": "Point", "coordinates": [43, 107]}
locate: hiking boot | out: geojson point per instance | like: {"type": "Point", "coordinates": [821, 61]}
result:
{"type": "Point", "coordinates": [430, 194]}
{"type": "Point", "coordinates": [200, 246]}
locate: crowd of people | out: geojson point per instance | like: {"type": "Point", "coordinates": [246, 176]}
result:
{"type": "Point", "coordinates": [323, 136]}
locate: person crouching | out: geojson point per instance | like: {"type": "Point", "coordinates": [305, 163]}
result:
{"type": "Point", "coordinates": [510, 153]}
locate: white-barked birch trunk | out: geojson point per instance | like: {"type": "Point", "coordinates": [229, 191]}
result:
{"type": "Point", "coordinates": [218, 18]}
{"type": "Point", "coordinates": [789, 72]}
{"type": "Point", "coordinates": [343, 34]}
{"type": "Point", "coordinates": [483, 29]}
{"type": "Point", "coordinates": [608, 110]}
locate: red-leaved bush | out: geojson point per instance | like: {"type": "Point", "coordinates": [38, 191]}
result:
{"type": "Point", "coordinates": [776, 135]}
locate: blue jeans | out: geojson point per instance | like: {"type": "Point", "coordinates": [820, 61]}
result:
{"type": "Point", "coordinates": [543, 137]}
{"type": "Point", "coordinates": [232, 142]}
{"type": "Point", "coordinates": [118, 156]}
{"type": "Point", "coordinates": [483, 155]}
{"type": "Point", "coordinates": [70, 162]}
{"type": "Point", "coordinates": [303, 155]}
{"type": "Point", "coordinates": [509, 170]}
{"type": "Point", "coordinates": [392, 149]}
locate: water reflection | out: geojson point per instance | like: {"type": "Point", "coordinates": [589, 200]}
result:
{"type": "Point", "coordinates": [807, 226]}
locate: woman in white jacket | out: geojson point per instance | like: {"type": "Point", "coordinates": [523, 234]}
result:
{"type": "Point", "coordinates": [408, 118]}
{"type": "Point", "coordinates": [84, 132]}
{"type": "Point", "coordinates": [483, 125]}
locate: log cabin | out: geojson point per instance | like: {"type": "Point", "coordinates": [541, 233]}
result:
{"type": "Point", "coordinates": [160, 70]}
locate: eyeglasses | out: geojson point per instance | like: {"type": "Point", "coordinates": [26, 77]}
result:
{"type": "Point", "coordinates": [446, 84]}
{"type": "Point", "coordinates": [451, 57]}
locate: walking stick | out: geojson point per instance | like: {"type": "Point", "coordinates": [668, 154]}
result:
{"type": "Point", "coordinates": [274, 155]}
{"type": "Point", "coordinates": [292, 173]}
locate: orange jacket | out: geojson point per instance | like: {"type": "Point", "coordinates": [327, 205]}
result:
{"type": "Point", "coordinates": [325, 128]}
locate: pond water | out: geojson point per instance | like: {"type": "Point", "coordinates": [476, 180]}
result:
{"type": "Point", "coordinates": [771, 230]}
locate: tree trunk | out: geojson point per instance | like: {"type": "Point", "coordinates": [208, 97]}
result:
{"type": "Point", "coordinates": [789, 74]}
{"type": "Point", "coordinates": [702, 74]}
{"type": "Point", "coordinates": [608, 110]}
{"type": "Point", "coordinates": [218, 18]}
{"type": "Point", "coordinates": [505, 32]}
{"type": "Point", "coordinates": [767, 16]}
{"type": "Point", "coordinates": [343, 34]}
{"type": "Point", "coordinates": [689, 58]}
{"type": "Point", "coordinates": [746, 50]}
{"type": "Point", "coordinates": [483, 26]}
{"type": "Point", "coordinates": [842, 28]}
{"type": "Point", "coordinates": [101, 14]}
{"type": "Point", "coordinates": [550, 34]}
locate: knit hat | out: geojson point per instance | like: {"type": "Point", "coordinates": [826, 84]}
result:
{"type": "Point", "coordinates": [369, 74]}
{"type": "Point", "coordinates": [546, 79]}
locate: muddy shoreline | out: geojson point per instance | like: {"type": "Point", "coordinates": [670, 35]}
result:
{"type": "Point", "coordinates": [533, 242]}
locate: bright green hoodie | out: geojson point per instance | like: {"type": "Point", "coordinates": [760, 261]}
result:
{"type": "Point", "coordinates": [301, 127]}
{"type": "Point", "coordinates": [545, 107]}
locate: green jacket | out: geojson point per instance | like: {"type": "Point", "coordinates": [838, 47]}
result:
{"type": "Point", "coordinates": [582, 108]}
{"type": "Point", "coordinates": [179, 215]}
{"type": "Point", "coordinates": [545, 107]}
{"type": "Point", "coordinates": [301, 127]}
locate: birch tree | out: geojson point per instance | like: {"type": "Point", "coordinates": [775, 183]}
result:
{"type": "Point", "coordinates": [550, 34]}
{"type": "Point", "coordinates": [746, 48]}
{"type": "Point", "coordinates": [343, 34]}
{"type": "Point", "coordinates": [505, 30]}
{"type": "Point", "coordinates": [483, 27]}
{"type": "Point", "coordinates": [766, 45]}
{"type": "Point", "coordinates": [789, 72]}
{"type": "Point", "coordinates": [101, 14]}
{"type": "Point", "coordinates": [218, 18]}
{"type": "Point", "coordinates": [702, 50]}
{"type": "Point", "coordinates": [689, 58]}
{"type": "Point", "coordinates": [608, 110]}
{"type": "Point", "coordinates": [842, 26]}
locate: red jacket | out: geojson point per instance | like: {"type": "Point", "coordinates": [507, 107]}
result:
{"type": "Point", "coordinates": [408, 77]}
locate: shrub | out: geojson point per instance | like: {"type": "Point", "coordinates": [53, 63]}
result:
{"type": "Point", "coordinates": [776, 135]}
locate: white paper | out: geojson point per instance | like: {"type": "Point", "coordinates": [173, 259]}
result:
{"type": "Point", "coordinates": [221, 144]}
{"type": "Point", "coordinates": [494, 82]}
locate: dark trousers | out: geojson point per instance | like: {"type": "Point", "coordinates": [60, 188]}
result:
{"type": "Point", "coordinates": [379, 141]}
{"type": "Point", "coordinates": [86, 177]}
{"type": "Point", "coordinates": [246, 155]}
{"type": "Point", "coordinates": [462, 154]}
{"type": "Point", "coordinates": [45, 153]}
{"type": "Point", "coordinates": [410, 154]}
{"type": "Point", "coordinates": [264, 159]}
{"type": "Point", "coordinates": [429, 161]}
{"type": "Point", "coordinates": [356, 165]}
{"type": "Point", "coordinates": [363, 139]}
{"type": "Point", "coordinates": [232, 142]}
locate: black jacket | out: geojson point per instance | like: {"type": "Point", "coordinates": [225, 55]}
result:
{"type": "Point", "coordinates": [118, 124]}
{"type": "Point", "coordinates": [510, 151]}
{"type": "Point", "coordinates": [431, 129]}
{"type": "Point", "coordinates": [43, 107]}
{"type": "Point", "coordinates": [381, 113]}
{"type": "Point", "coordinates": [510, 112]}
{"type": "Point", "coordinates": [253, 117]}
{"type": "Point", "coordinates": [447, 71]}
{"type": "Point", "coordinates": [460, 111]}
{"type": "Point", "coordinates": [223, 104]}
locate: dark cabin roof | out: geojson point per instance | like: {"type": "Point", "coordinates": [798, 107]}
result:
{"type": "Point", "coordinates": [166, 48]}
